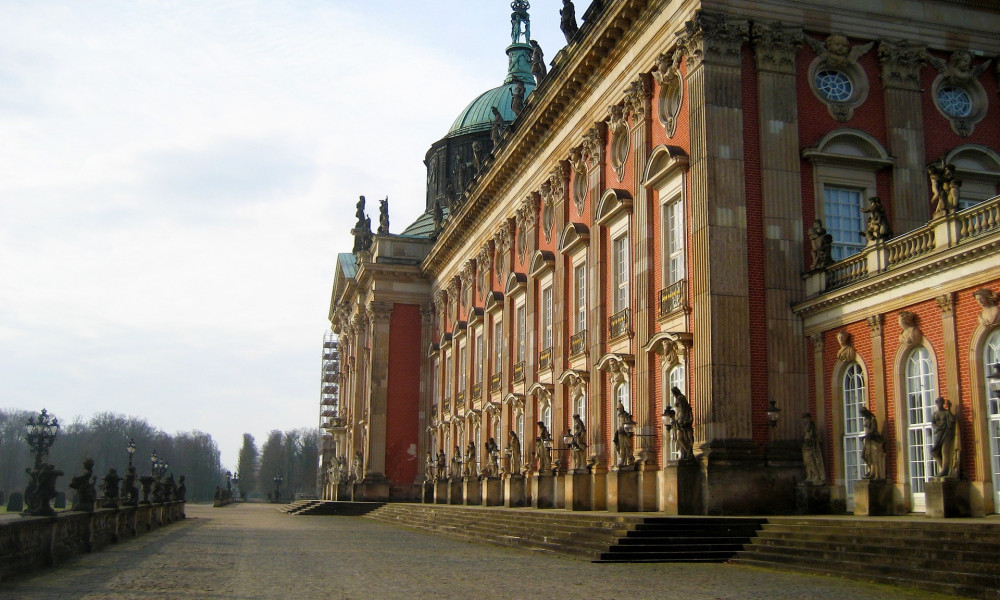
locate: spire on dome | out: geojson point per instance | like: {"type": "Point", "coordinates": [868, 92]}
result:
{"type": "Point", "coordinates": [519, 51]}
{"type": "Point", "coordinates": [520, 22]}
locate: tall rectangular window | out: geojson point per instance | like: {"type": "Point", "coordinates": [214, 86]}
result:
{"type": "Point", "coordinates": [620, 258]}
{"type": "Point", "coordinates": [673, 227]}
{"type": "Point", "coordinates": [449, 371]}
{"type": "Point", "coordinates": [520, 332]}
{"type": "Point", "coordinates": [478, 353]}
{"type": "Point", "coordinates": [580, 297]}
{"type": "Point", "coordinates": [463, 363]}
{"type": "Point", "coordinates": [497, 346]}
{"type": "Point", "coordinates": [547, 318]}
{"type": "Point", "coordinates": [842, 209]}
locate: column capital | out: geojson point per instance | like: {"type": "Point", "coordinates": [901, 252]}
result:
{"type": "Point", "coordinates": [901, 62]}
{"type": "Point", "coordinates": [775, 46]}
{"type": "Point", "coordinates": [946, 302]}
{"type": "Point", "coordinates": [593, 143]}
{"type": "Point", "coordinates": [637, 97]}
{"type": "Point", "coordinates": [875, 324]}
{"type": "Point", "coordinates": [712, 38]}
{"type": "Point", "coordinates": [380, 312]}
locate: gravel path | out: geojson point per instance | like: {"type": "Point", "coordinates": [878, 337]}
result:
{"type": "Point", "coordinates": [251, 551]}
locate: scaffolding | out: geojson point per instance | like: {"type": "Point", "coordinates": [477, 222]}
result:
{"type": "Point", "coordinates": [329, 400]}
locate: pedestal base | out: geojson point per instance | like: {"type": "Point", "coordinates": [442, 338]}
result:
{"type": "Point", "coordinates": [543, 491]}
{"type": "Point", "coordinates": [491, 491]}
{"type": "Point", "coordinates": [577, 486]}
{"type": "Point", "coordinates": [513, 491]}
{"type": "Point", "coordinates": [441, 491]}
{"type": "Point", "coordinates": [947, 497]}
{"type": "Point", "coordinates": [471, 491]}
{"type": "Point", "coordinates": [873, 498]}
{"type": "Point", "coordinates": [372, 491]}
{"type": "Point", "coordinates": [680, 488]}
{"type": "Point", "coordinates": [812, 499]}
{"type": "Point", "coordinates": [343, 492]}
{"type": "Point", "coordinates": [427, 492]}
{"type": "Point", "coordinates": [623, 491]}
{"type": "Point", "coordinates": [455, 491]}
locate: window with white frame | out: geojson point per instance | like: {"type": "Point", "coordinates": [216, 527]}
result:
{"type": "Point", "coordinates": [496, 428]}
{"type": "Point", "coordinates": [463, 363]}
{"type": "Point", "coordinates": [920, 389]}
{"type": "Point", "coordinates": [520, 315]}
{"type": "Point", "coordinates": [580, 297]}
{"type": "Point", "coordinates": [991, 357]}
{"type": "Point", "coordinates": [497, 346]}
{"type": "Point", "coordinates": [622, 395]}
{"type": "Point", "coordinates": [547, 416]}
{"type": "Point", "coordinates": [580, 406]}
{"type": "Point", "coordinates": [854, 395]}
{"type": "Point", "coordinates": [676, 378]}
{"type": "Point", "coordinates": [673, 240]}
{"type": "Point", "coordinates": [547, 317]}
{"type": "Point", "coordinates": [519, 428]}
{"type": "Point", "coordinates": [448, 374]}
{"type": "Point", "coordinates": [436, 380]}
{"type": "Point", "coordinates": [478, 355]}
{"type": "Point", "coordinates": [842, 207]}
{"type": "Point", "coordinates": [620, 259]}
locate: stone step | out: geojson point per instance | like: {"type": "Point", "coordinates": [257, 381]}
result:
{"type": "Point", "coordinates": [953, 552]}
{"type": "Point", "coordinates": [956, 543]}
{"type": "Point", "coordinates": [629, 540]}
{"type": "Point", "coordinates": [966, 584]}
{"type": "Point", "coordinates": [888, 525]}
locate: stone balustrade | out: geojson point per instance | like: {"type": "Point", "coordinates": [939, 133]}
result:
{"type": "Point", "coordinates": [29, 543]}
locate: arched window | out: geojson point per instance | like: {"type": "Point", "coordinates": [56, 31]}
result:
{"type": "Point", "coordinates": [580, 406]}
{"type": "Point", "coordinates": [675, 379]}
{"type": "Point", "coordinates": [519, 427]}
{"type": "Point", "coordinates": [920, 388]}
{"type": "Point", "coordinates": [991, 357]}
{"type": "Point", "coordinates": [496, 429]}
{"type": "Point", "coordinates": [547, 417]}
{"type": "Point", "coordinates": [854, 392]}
{"type": "Point", "coordinates": [621, 395]}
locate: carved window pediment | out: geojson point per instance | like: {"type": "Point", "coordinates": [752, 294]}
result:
{"type": "Point", "coordinates": [542, 263]}
{"type": "Point", "coordinates": [573, 238]}
{"type": "Point", "coordinates": [614, 204]}
{"type": "Point", "coordinates": [665, 162]}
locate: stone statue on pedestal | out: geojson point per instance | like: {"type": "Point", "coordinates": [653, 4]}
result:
{"type": "Point", "coordinates": [470, 461]}
{"type": "Point", "coordinates": [943, 423]}
{"type": "Point", "coordinates": [542, 443]}
{"type": "Point", "coordinates": [86, 491]}
{"type": "Point", "coordinates": [359, 465]}
{"type": "Point", "coordinates": [567, 20]}
{"type": "Point", "coordinates": [624, 439]}
{"type": "Point", "coordinates": [429, 466]}
{"type": "Point", "coordinates": [383, 216]}
{"type": "Point", "coordinates": [822, 246]}
{"type": "Point", "coordinates": [493, 459]}
{"type": "Point", "coordinates": [496, 128]}
{"type": "Point", "coordinates": [873, 447]}
{"type": "Point", "coordinates": [442, 465]}
{"type": "Point", "coordinates": [514, 448]}
{"type": "Point", "coordinates": [579, 445]}
{"type": "Point", "coordinates": [517, 97]}
{"type": "Point", "coordinates": [110, 488]}
{"type": "Point", "coordinates": [877, 229]}
{"type": "Point", "coordinates": [683, 425]}
{"type": "Point", "coordinates": [812, 454]}
{"type": "Point", "coordinates": [456, 462]}
{"type": "Point", "coordinates": [538, 68]}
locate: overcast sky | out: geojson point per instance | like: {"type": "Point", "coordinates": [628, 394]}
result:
{"type": "Point", "coordinates": [177, 177]}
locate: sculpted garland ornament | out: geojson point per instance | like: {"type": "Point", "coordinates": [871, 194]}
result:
{"type": "Point", "coordinates": [668, 76]}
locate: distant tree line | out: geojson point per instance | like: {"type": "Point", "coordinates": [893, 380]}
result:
{"type": "Point", "coordinates": [292, 455]}
{"type": "Point", "coordinates": [105, 438]}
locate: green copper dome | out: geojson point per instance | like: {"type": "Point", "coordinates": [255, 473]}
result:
{"type": "Point", "coordinates": [478, 115]}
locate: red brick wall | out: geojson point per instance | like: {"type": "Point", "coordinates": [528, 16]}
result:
{"type": "Point", "coordinates": [403, 395]}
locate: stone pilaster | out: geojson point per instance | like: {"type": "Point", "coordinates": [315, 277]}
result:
{"type": "Point", "coordinates": [901, 62]}
{"type": "Point", "coordinates": [559, 180]}
{"type": "Point", "coordinates": [427, 399]}
{"type": "Point", "coordinates": [876, 375]}
{"type": "Point", "coordinates": [775, 48]}
{"type": "Point", "coordinates": [594, 153]}
{"type": "Point", "coordinates": [721, 351]}
{"type": "Point", "coordinates": [375, 453]}
{"type": "Point", "coordinates": [953, 376]}
{"type": "Point", "coordinates": [637, 103]}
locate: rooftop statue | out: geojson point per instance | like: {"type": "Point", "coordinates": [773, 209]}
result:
{"type": "Point", "coordinates": [877, 228]}
{"type": "Point", "coordinates": [496, 128]}
{"type": "Point", "coordinates": [822, 246]}
{"type": "Point", "coordinates": [538, 68]}
{"type": "Point", "coordinates": [517, 97]}
{"type": "Point", "coordinates": [567, 20]}
{"type": "Point", "coordinates": [383, 216]}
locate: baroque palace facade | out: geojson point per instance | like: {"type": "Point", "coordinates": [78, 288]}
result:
{"type": "Point", "coordinates": [776, 207]}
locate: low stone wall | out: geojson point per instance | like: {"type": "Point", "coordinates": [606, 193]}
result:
{"type": "Point", "coordinates": [34, 542]}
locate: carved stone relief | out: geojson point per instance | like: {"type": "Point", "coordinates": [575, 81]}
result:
{"type": "Point", "coordinates": [637, 99]}
{"type": "Point", "coordinates": [593, 144]}
{"type": "Point", "coordinates": [911, 334]}
{"type": "Point", "coordinates": [580, 185]}
{"type": "Point", "coordinates": [502, 242]}
{"type": "Point", "coordinates": [548, 210]}
{"type": "Point", "coordinates": [671, 95]}
{"type": "Point", "coordinates": [484, 266]}
{"type": "Point", "coordinates": [467, 276]}
{"type": "Point", "coordinates": [957, 93]}
{"type": "Point", "coordinates": [990, 315]}
{"type": "Point", "coordinates": [846, 353]}
{"type": "Point", "coordinates": [835, 76]}
{"type": "Point", "coordinates": [620, 139]}
{"type": "Point", "coordinates": [712, 37]}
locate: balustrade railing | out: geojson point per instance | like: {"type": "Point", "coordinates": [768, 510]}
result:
{"type": "Point", "coordinates": [477, 391]}
{"type": "Point", "coordinates": [618, 324]}
{"type": "Point", "coordinates": [909, 246]}
{"type": "Point", "coordinates": [519, 371]}
{"type": "Point", "coordinates": [578, 343]}
{"type": "Point", "coordinates": [545, 359]}
{"type": "Point", "coordinates": [846, 271]}
{"type": "Point", "coordinates": [980, 218]}
{"type": "Point", "coordinates": [495, 382]}
{"type": "Point", "coordinates": [673, 296]}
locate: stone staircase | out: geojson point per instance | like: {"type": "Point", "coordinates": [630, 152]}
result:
{"type": "Point", "coordinates": [961, 558]}
{"type": "Point", "coordinates": [328, 507]}
{"type": "Point", "coordinates": [684, 539]}
{"type": "Point", "coordinates": [600, 537]}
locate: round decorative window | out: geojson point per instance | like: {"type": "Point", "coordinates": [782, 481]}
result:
{"type": "Point", "coordinates": [834, 85]}
{"type": "Point", "coordinates": [954, 101]}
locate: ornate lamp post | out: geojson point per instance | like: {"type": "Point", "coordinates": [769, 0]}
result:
{"type": "Point", "coordinates": [236, 485]}
{"type": "Point", "coordinates": [153, 460]}
{"type": "Point", "coordinates": [773, 412]}
{"type": "Point", "coordinates": [229, 480]}
{"type": "Point", "coordinates": [40, 433]}
{"type": "Point", "coordinates": [131, 450]}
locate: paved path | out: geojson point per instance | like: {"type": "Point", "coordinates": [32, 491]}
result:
{"type": "Point", "coordinates": [251, 551]}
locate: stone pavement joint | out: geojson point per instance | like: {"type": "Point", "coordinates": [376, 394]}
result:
{"type": "Point", "coordinates": [253, 552]}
